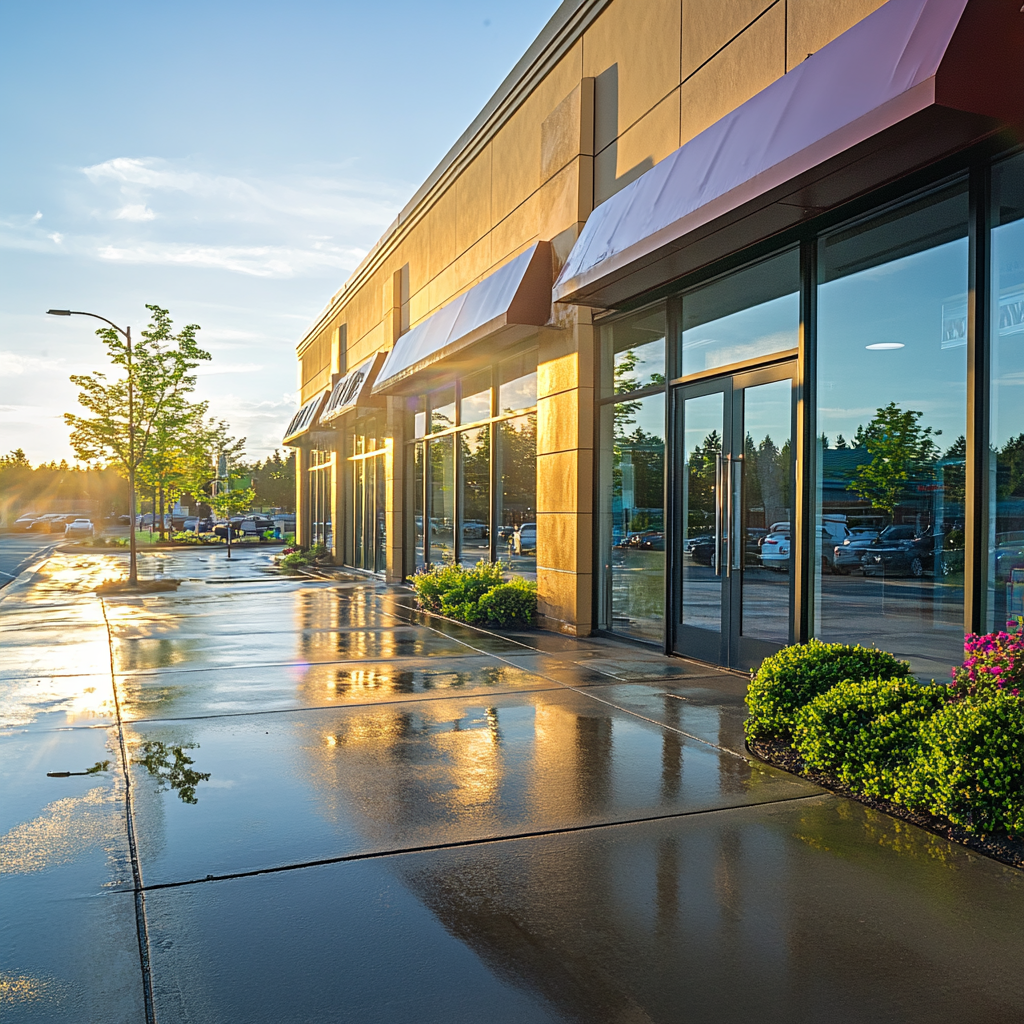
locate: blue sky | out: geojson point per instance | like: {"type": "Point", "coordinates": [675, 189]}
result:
{"type": "Point", "coordinates": [230, 162]}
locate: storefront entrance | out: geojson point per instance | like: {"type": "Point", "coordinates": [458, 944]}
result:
{"type": "Point", "coordinates": [734, 541]}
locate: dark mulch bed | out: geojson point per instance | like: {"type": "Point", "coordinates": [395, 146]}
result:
{"type": "Point", "coordinates": [1004, 848]}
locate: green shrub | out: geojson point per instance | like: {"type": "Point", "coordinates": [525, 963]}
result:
{"type": "Point", "coordinates": [510, 604]}
{"type": "Point", "coordinates": [449, 588]}
{"type": "Point", "coordinates": [793, 677]}
{"type": "Point", "coordinates": [970, 764]}
{"type": "Point", "coordinates": [476, 595]}
{"type": "Point", "coordinates": [314, 556]}
{"type": "Point", "coordinates": [190, 537]}
{"type": "Point", "coordinates": [867, 733]}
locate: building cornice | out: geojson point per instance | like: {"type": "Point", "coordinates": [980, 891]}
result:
{"type": "Point", "coordinates": [557, 37]}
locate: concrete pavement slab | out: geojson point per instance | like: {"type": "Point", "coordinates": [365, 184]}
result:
{"type": "Point", "coordinates": [190, 693]}
{"type": "Point", "coordinates": [69, 946]}
{"type": "Point", "coordinates": [294, 788]}
{"type": "Point", "coordinates": [818, 910]}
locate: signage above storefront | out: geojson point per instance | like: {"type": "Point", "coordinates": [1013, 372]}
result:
{"type": "Point", "coordinates": [304, 420]}
{"type": "Point", "coordinates": [353, 389]}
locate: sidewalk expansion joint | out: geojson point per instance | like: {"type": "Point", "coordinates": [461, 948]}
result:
{"type": "Point", "coordinates": [140, 899]}
{"type": "Point", "coordinates": [462, 844]}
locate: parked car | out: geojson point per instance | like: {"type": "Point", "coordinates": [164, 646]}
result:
{"type": "Point", "coordinates": [52, 522]}
{"type": "Point", "coordinates": [775, 550]}
{"type": "Point", "coordinates": [79, 528]}
{"type": "Point", "coordinates": [25, 522]}
{"type": "Point", "coordinates": [850, 554]}
{"type": "Point", "coordinates": [526, 539]}
{"type": "Point", "coordinates": [256, 525]}
{"type": "Point", "coordinates": [914, 556]}
{"type": "Point", "coordinates": [653, 542]}
{"type": "Point", "coordinates": [198, 524]}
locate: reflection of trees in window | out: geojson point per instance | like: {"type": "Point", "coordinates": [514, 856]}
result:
{"type": "Point", "coordinates": [901, 450]}
{"type": "Point", "coordinates": [767, 477]}
{"type": "Point", "coordinates": [172, 767]}
{"type": "Point", "coordinates": [475, 448]}
{"type": "Point", "coordinates": [701, 483]}
{"type": "Point", "coordinates": [517, 441]}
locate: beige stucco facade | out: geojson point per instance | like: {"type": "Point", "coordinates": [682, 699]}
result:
{"type": "Point", "coordinates": [608, 90]}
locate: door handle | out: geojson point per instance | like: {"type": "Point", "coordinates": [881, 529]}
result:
{"type": "Point", "coordinates": [719, 500]}
{"type": "Point", "coordinates": [736, 524]}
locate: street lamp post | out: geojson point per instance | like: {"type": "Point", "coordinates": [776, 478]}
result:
{"type": "Point", "coordinates": [133, 568]}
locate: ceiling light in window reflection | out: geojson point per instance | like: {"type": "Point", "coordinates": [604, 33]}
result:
{"type": "Point", "coordinates": [884, 346]}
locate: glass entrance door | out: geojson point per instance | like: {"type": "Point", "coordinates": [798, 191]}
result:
{"type": "Point", "coordinates": [734, 544]}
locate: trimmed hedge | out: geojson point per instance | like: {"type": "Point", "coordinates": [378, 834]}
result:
{"type": "Point", "coordinates": [867, 733]}
{"type": "Point", "coordinates": [969, 764]}
{"type": "Point", "coordinates": [478, 595]}
{"type": "Point", "coordinates": [293, 561]}
{"type": "Point", "coordinates": [793, 677]}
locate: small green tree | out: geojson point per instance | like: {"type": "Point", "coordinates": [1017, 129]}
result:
{"type": "Point", "coordinates": [155, 378]}
{"type": "Point", "coordinates": [900, 449]}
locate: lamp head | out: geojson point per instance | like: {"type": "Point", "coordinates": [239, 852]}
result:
{"type": "Point", "coordinates": [59, 312]}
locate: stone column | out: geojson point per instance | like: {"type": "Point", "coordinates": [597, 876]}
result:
{"type": "Point", "coordinates": [565, 477]}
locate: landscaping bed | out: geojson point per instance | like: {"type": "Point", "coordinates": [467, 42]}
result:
{"type": "Point", "coordinates": [946, 757]}
{"type": "Point", "coordinates": [1005, 848]}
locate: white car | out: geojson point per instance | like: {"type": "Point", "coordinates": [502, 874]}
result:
{"type": "Point", "coordinates": [775, 551]}
{"type": "Point", "coordinates": [79, 528]}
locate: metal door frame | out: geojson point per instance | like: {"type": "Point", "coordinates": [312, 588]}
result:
{"type": "Point", "coordinates": [733, 649]}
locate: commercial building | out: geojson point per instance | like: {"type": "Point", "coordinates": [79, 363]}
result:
{"type": "Point", "coordinates": [706, 291]}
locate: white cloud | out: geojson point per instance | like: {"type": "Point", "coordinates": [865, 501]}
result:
{"type": "Point", "coordinates": [14, 365]}
{"type": "Point", "coordinates": [135, 211]}
{"type": "Point", "coordinates": [56, 236]}
{"type": "Point", "coordinates": [212, 368]}
{"type": "Point", "coordinates": [37, 216]}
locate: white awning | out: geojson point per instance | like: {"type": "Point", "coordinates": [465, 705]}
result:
{"type": "Point", "coordinates": [514, 297]}
{"type": "Point", "coordinates": [353, 389]}
{"type": "Point", "coordinates": [304, 420]}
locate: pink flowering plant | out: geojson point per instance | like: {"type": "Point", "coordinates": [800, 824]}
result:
{"type": "Point", "coordinates": [993, 662]}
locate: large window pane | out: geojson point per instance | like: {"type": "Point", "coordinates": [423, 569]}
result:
{"type": "Point", "coordinates": [517, 382]}
{"type": "Point", "coordinates": [631, 506]}
{"type": "Point", "coordinates": [892, 420]}
{"type": "Point", "coordinates": [475, 493]}
{"type": "Point", "coordinates": [516, 474]}
{"type": "Point", "coordinates": [475, 404]}
{"type": "Point", "coordinates": [380, 526]}
{"type": "Point", "coordinates": [633, 352]}
{"type": "Point", "coordinates": [442, 410]}
{"type": "Point", "coordinates": [1006, 471]}
{"type": "Point", "coordinates": [752, 312]}
{"type": "Point", "coordinates": [442, 499]}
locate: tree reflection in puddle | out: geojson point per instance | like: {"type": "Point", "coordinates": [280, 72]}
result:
{"type": "Point", "coordinates": [172, 767]}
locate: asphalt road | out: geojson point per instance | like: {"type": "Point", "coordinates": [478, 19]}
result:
{"type": "Point", "coordinates": [19, 550]}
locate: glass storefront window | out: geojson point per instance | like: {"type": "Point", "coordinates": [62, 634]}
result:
{"type": "Point", "coordinates": [319, 497]}
{"type": "Point", "coordinates": [516, 476]}
{"type": "Point", "coordinates": [475, 495]}
{"type": "Point", "coordinates": [442, 410]}
{"type": "Point", "coordinates": [632, 517]}
{"type": "Point", "coordinates": [1006, 443]}
{"type": "Point", "coordinates": [891, 417]}
{"type": "Point", "coordinates": [418, 408]}
{"type": "Point", "coordinates": [750, 313]}
{"type": "Point", "coordinates": [475, 404]}
{"type": "Point", "coordinates": [633, 352]}
{"type": "Point", "coordinates": [442, 499]}
{"type": "Point", "coordinates": [419, 459]}
{"type": "Point", "coordinates": [517, 383]}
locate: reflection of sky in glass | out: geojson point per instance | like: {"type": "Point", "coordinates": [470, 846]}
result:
{"type": "Point", "coordinates": [650, 417]}
{"type": "Point", "coordinates": [1008, 347]}
{"type": "Point", "coordinates": [901, 302]}
{"type": "Point", "coordinates": [520, 393]}
{"type": "Point", "coordinates": [649, 368]}
{"type": "Point", "coordinates": [760, 330]}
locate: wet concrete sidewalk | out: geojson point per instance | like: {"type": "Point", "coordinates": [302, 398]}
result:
{"type": "Point", "coordinates": [305, 801]}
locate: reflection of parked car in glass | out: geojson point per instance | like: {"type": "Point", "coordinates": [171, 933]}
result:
{"type": "Point", "coordinates": [914, 556]}
{"type": "Point", "coordinates": [652, 542]}
{"type": "Point", "coordinates": [474, 529]}
{"type": "Point", "coordinates": [700, 538]}
{"type": "Point", "coordinates": [850, 554]}
{"type": "Point", "coordinates": [526, 539]}
{"type": "Point", "coordinates": [79, 528]}
{"type": "Point", "coordinates": [703, 550]}
{"type": "Point", "coordinates": [775, 550]}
